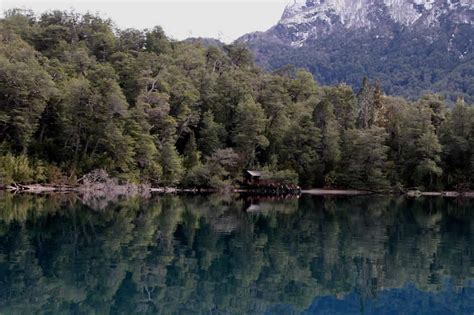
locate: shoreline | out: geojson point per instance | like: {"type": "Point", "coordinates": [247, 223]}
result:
{"type": "Point", "coordinates": [340, 192]}
{"type": "Point", "coordinates": [124, 189]}
{"type": "Point", "coordinates": [410, 193]}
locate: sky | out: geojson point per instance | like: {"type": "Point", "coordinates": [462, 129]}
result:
{"type": "Point", "coordinates": [223, 19]}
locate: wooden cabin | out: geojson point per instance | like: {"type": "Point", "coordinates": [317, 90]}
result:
{"type": "Point", "coordinates": [252, 177]}
{"type": "Point", "coordinates": [258, 183]}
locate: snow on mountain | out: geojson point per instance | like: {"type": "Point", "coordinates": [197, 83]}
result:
{"type": "Point", "coordinates": [309, 19]}
{"type": "Point", "coordinates": [411, 46]}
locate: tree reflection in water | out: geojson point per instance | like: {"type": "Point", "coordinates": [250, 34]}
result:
{"type": "Point", "coordinates": [205, 254]}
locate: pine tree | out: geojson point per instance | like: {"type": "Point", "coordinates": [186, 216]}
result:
{"type": "Point", "coordinates": [325, 121]}
{"type": "Point", "coordinates": [145, 152]}
{"type": "Point", "coordinates": [191, 156]}
{"type": "Point", "coordinates": [438, 109]}
{"type": "Point", "coordinates": [210, 134]}
{"type": "Point", "coordinates": [365, 103]}
{"type": "Point", "coordinates": [457, 140]}
{"type": "Point", "coordinates": [172, 165]}
{"type": "Point", "coordinates": [379, 110]}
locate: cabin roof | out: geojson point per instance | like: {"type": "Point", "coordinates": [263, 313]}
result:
{"type": "Point", "coordinates": [254, 173]}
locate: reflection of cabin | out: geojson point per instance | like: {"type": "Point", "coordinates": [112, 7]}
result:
{"type": "Point", "coordinates": [252, 177]}
{"type": "Point", "coordinates": [253, 208]}
{"type": "Point", "coordinates": [259, 203]}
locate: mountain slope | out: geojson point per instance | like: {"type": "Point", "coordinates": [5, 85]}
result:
{"type": "Point", "coordinates": [412, 46]}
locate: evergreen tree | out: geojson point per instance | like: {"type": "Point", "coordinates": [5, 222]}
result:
{"type": "Point", "coordinates": [248, 133]}
{"type": "Point", "coordinates": [210, 134]}
{"type": "Point", "coordinates": [156, 41]}
{"type": "Point", "coordinates": [76, 95]}
{"type": "Point", "coordinates": [379, 110]}
{"type": "Point", "coordinates": [239, 54]}
{"type": "Point", "coordinates": [457, 139]}
{"type": "Point", "coordinates": [343, 100]}
{"type": "Point", "coordinates": [438, 109]}
{"type": "Point", "coordinates": [145, 152]}
{"type": "Point", "coordinates": [172, 165]}
{"type": "Point", "coordinates": [303, 87]}
{"type": "Point", "coordinates": [325, 121]}
{"type": "Point", "coordinates": [300, 149]}
{"type": "Point", "coordinates": [419, 147]}
{"type": "Point", "coordinates": [365, 103]}
{"type": "Point", "coordinates": [191, 156]}
{"type": "Point", "coordinates": [364, 158]}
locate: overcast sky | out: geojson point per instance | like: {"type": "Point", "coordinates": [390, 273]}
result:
{"type": "Point", "coordinates": [223, 19]}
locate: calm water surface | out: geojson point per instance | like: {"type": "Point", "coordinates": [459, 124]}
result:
{"type": "Point", "coordinates": [207, 255]}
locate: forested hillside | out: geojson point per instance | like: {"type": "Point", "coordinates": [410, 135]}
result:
{"type": "Point", "coordinates": [411, 47]}
{"type": "Point", "coordinates": [407, 65]}
{"type": "Point", "coordinates": [76, 95]}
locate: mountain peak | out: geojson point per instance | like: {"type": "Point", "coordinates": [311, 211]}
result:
{"type": "Point", "coordinates": [309, 19]}
{"type": "Point", "coordinates": [412, 46]}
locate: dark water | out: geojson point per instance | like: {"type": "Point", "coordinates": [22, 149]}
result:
{"type": "Point", "coordinates": [206, 255]}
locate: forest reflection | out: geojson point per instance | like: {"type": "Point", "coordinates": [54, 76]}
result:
{"type": "Point", "coordinates": [206, 254]}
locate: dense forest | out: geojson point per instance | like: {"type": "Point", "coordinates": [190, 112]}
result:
{"type": "Point", "coordinates": [407, 63]}
{"type": "Point", "coordinates": [77, 94]}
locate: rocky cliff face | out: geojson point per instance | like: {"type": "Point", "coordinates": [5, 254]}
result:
{"type": "Point", "coordinates": [306, 20]}
{"type": "Point", "coordinates": [427, 38]}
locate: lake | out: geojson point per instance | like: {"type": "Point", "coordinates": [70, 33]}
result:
{"type": "Point", "coordinates": [233, 255]}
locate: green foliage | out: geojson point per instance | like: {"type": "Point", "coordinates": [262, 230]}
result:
{"type": "Point", "coordinates": [224, 165]}
{"type": "Point", "coordinates": [19, 170]}
{"type": "Point", "coordinates": [198, 177]}
{"type": "Point", "coordinates": [217, 172]}
{"type": "Point", "coordinates": [156, 41]}
{"type": "Point", "coordinates": [300, 149]}
{"type": "Point", "coordinates": [457, 139]}
{"type": "Point", "coordinates": [192, 156]}
{"type": "Point", "coordinates": [172, 164]}
{"type": "Point", "coordinates": [407, 63]}
{"type": "Point", "coordinates": [284, 176]}
{"type": "Point", "coordinates": [419, 148]}
{"type": "Point", "coordinates": [364, 159]}
{"type": "Point", "coordinates": [365, 101]}
{"type": "Point", "coordinates": [210, 134]}
{"type": "Point", "coordinates": [325, 120]}
{"type": "Point", "coordinates": [343, 100]}
{"type": "Point", "coordinates": [248, 133]}
{"type": "Point", "coordinates": [25, 88]}
{"type": "Point", "coordinates": [303, 87]}
{"type": "Point", "coordinates": [80, 95]}
{"type": "Point", "coordinates": [239, 55]}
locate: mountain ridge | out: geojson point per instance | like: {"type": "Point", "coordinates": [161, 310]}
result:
{"type": "Point", "coordinates": [309, 19]}
{"type": "Point", "coordinates": [345, 40]}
